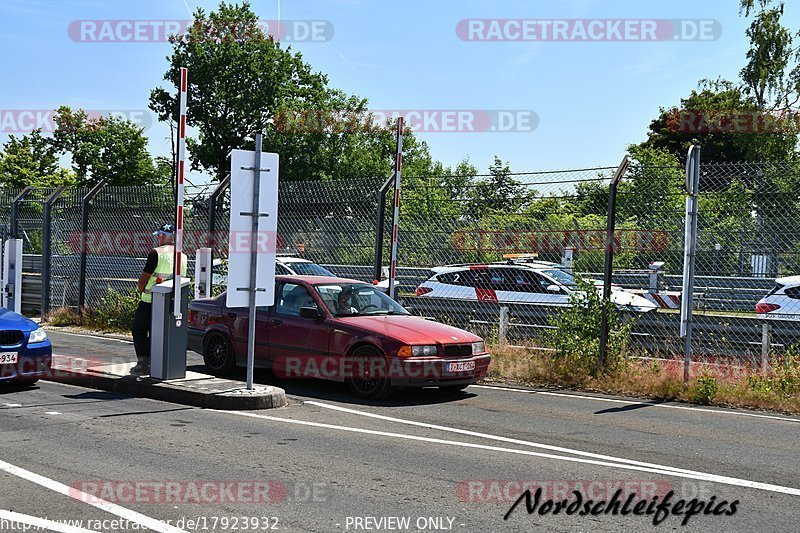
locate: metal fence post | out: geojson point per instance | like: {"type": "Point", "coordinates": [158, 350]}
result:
{"type": "Point", "coordinates": [211, 240]}
{"type": "Point", "coordinates": [502, 329]}
{"type": "Point", "coordinates": [85, 206]}
{"type": "Point", "coordinates": [47, 252]}
{"type": "Point", "coordinates": [609, 259]}
{"type": "Point", "coordinates": [766, 342]}
{"type": "Point", "coordinates": [690, 252]}
{"type": "Point", "coordinates": [15, 211]}
{"type": "Point", "coordinates": [398, 172]}
{"type": "Point", "coordinates": [380, 221]}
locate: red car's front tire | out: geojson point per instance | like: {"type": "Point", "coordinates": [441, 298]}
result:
{"type": "Point", "coordinates": [368, 376]}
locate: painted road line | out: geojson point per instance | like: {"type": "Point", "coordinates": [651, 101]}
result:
{"type": "Point", "coordinates": [621, 465]}
{"type": "Point", "coordinates": [633, 402]}
{"type": "Point", "coordinates": [88, 499]}
{"type": "Point", "coordinates": [34, 523]}
{"type": "Point", "coordinates": [509, 440]}
{"type": "Point", "coordinates": [92, 336]}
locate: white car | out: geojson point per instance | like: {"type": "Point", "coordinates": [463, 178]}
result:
{"type": "Point", "coordinates": [289, 265]}
{"type": "Point", "coordinates": [782, 302]}
{"type": "Point", "coordinates": [531, 283]}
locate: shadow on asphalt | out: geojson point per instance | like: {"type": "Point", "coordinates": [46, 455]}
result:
{"type": "Point", "coordinates": [337, 392]}
{"type": "Point", "coordinates": [10, 387]}
{"type": "Point", "coordinates": [631, 407]}
{"type": "Point", "coordinates": [106, 396]}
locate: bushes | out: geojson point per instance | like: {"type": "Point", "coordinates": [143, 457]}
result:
{"type": "Point", "coordinates": [113, 312]}
{"type": "Point", "coordinates": [783, 379]}
{"type": "Point", "coordinates": [576, 337]}
{"type": "Point", "coordinates": [703, 390]}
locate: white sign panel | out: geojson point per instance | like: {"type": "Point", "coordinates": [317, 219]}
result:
{"type": "Point", "coordinates": [241, 244]}
{"type": "Point", "coordinates": [12, 275]}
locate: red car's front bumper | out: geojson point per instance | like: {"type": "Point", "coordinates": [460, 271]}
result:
{"type": "Point", "coordinates": [433, 371]}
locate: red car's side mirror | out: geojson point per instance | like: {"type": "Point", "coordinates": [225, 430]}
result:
{"type": "Point", "coordinates": [310, 312]}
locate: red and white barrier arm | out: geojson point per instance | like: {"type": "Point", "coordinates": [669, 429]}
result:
{"type": "Point", "coordinates": [179, 259]}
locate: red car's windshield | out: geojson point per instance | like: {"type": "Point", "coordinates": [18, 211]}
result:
{"type": "Point", "coordinates": [349, 299]}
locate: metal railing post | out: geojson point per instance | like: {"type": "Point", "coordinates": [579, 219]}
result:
{"type": "Point", "coordinates": [15, 211]}
{"type": "Point", "coordinates": [47, 252]}
{"type": "Point", "coordinates": [622, 169]}
{"type": "Point", "coordinates": [380, 222]}
{"type": "Point", "coordinates": [85, 207]}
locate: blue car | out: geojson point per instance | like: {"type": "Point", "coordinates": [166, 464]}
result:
{"type": "Point", "coordinates": [25, 351]}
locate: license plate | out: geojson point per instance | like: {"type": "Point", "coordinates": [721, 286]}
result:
{"type": "Point", "coordinates": [8, 357]}
{"type": "Point", "coordinates": [461, 367]}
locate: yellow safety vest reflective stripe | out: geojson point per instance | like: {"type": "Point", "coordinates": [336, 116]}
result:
{"type": "Point", "coordinates": [164, 270]}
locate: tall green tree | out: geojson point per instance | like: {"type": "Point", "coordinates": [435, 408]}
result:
{"type": "Point", "coordinates": [111, 149]}
{"type": "Point", "coordinates": [772, 73]}
{"type": "Point", "coordinates": [242, 82]}
{"type": "Point", "coordinates": [500, 192]}
{"type": "Point", "coordinates": [707, 117]}
{"type": "Point", "coordinates": [761, 100]}
{"type": "Point", "coordinates": [31, 160]}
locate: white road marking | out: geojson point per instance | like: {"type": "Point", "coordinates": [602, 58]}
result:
{"type": "Point", "coordinates": [93, 336]}
{"type": "Point", "coordinates": [509, 440]}
{"type": "Point", "coordinates": [631, 402]}
{"type": "Point", "coordinates": [89, 499]}
{"type": "Point", "coordinates": [41, 523]}
{"type": "Point", "coordinates": [13, 404]}
{"type": "Point", "coordinates": [52, 413]}
{"type": "Point", "coordinates": [628, 465]}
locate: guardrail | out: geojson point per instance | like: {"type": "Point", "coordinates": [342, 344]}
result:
{"type": "Point", "coordinates": [737, 294]}
{"type": "Point", "coordinates": [655, 332]}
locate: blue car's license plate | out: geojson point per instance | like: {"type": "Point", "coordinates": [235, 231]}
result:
{"type": "Point", "coordinates": [8, 357]}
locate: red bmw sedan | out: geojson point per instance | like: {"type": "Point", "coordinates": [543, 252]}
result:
{"type": "Point", "coordinates": [342, 330]}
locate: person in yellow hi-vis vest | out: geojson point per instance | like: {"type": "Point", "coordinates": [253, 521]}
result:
{"type": "Point", "coordinates": [158, 268]}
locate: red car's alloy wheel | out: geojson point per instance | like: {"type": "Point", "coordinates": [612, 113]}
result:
{"type": "Point", "coordinates": [368, 374]}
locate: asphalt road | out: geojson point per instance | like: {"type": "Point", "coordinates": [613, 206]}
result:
{"type": "Point", "coordinates": [421, 461]}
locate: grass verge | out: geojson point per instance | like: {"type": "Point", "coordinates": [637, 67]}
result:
{"type": "Point", "coordinates": [711, 384]}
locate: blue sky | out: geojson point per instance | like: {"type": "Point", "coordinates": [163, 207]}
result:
{"type": "Point", "coordinates": [592, 99]}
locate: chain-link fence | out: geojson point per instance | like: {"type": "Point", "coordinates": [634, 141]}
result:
{"type": "Point", "coordinates": [497, 254]}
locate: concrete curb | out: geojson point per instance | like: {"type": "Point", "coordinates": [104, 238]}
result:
{"type": "Point", "coordinates": [204, 391]}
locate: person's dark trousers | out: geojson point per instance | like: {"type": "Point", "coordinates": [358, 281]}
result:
{"type": "Point", "coordinates": [141, 332]}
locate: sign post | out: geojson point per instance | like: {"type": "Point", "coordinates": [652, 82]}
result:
{"type": "Point", "coordinates": [398, 166]}
{"type": "Point", "coordinates": [178, 259]}
{"type": "Point", "coordinates": [251, 244]}
{"type": "Point", "coordinates": [690, 251]}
